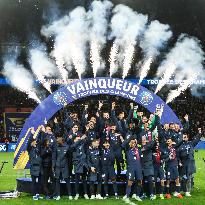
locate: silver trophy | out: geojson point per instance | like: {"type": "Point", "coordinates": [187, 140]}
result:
{"type": "Point", "coordinates": [160, 107]}
{"type": "Point", "coordinates": [136, 107]}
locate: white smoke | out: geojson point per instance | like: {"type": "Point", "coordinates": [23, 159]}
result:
{"type": "Point", "coordinates": [182, 87]}
{"type": "Point", "coordinates": [185, 57]}
{"type": "Point", "coordinates": [198, 90]}
{"type": "Point", "coordinates": [71, 37]}
{"type": "Point", "coordinates": [98, 30]}
{"type": "Point", "coordinates": [126, 26]}
{"type": "Point", "coordinates": [42, 66]}
{"type": "Point", "coordinates": [20, 78]}
{"type": "Point", "coordinates": [145, 68]}
{"type": "Point", "coordinates": [78, 38]}
{"type": "Point", "coordinates": [154, 39]}
{"type": "Point", "coordinates": [113, 59]}
{"type": "Point", "coordinates": [57, 29]}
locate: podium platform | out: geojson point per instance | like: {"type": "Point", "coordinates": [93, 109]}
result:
{"type": "Point", "coordinates": [24, 185]}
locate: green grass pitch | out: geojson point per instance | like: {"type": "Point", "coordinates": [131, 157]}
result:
{"type": "Point", "coordinates": [8, 182]}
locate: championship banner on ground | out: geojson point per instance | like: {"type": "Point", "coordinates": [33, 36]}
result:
{"type": "Point", "coordinates": [84, 88]}
{"type": "Point", "coordinates": [14, 122]}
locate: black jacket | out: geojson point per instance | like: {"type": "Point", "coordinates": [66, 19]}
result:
{"type": "Point", "coordinates": [60, 160]}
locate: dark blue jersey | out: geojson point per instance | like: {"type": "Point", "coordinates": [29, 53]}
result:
{"type": "Point", "coordinates": [107, 157]}
{"type": "Point", "coordinates": [115, 141]}
{"type": "Point", "coordinates": [133, 155]}
{"type": "Point", "coordinates": [173, 156]}
{"type": "Point", "coordinates": [186, 149]}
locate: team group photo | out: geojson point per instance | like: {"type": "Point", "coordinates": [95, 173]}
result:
{"type": "Point", "coordinates": [102, 101]}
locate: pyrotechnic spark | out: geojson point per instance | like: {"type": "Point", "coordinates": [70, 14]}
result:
{"type": "Point", "coordinates": [32, 94]}
{"type": "Point", "coordinates": [128, 54]}
{"type": "Point", "coordinates": [166, 76]}
{"type": "Point", "coordinates": [145, 69]}
{"type": "Point", "coordinates": [60, 64]}
{"type": "Point", "coordinates": [112, 59]}
{"type": "Point", "coordinates": [95, 56]}
{"type": "Point", "coordinates": [78, 59]}
{"type": "Point", "coordinates": [20, 78]}
{"type": "Point", "coordinates": [182, 87]}
{"type": "Point", "coordinates": [42, 66]}
{"type": "Point", "coordinates": [97, 31]}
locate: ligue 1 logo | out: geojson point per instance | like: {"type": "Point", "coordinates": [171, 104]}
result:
{"type": "Point", "coordinates": [60, 98]}
{"type": "Point", "coordinates": [146, 98]}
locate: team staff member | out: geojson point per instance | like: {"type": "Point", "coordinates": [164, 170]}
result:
{"type": "Point", "coordinates": [80, 164]}
{"type": "Point", "coordinates": [46, 154]}
{"type": "Point", "coordinates": [147, 164]}
{"type": "Point", "coordinates": [60, 166]}
{"type": "Point", "coordinates": [46, 134]}
{"type": "Point", "coordinates": [95, 175]}
{"type": "Point", "coordinates": [36, 169]}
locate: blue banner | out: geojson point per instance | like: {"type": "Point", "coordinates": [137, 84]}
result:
{"type": "Point", "coordinates": [11, 147]}
{"type": "Point", "coordinates": [13, 122]}
{"type": "Point", "coordinates": [4, 81]}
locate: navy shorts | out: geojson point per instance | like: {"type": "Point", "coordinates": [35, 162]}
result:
{"type": "Point", "coordinates": [172, 173]}
{"type": "Point", "coordinates": [118, 155]}
{"type": "Point", "coordinates": [95, 177]}
{"type": "Point", "coordinates": [134, 174]}
{"type": "Point", "coordinates": [148, 171]}
{"type": "Point", "coordinates": [159, 173]}
{"type": "Point", "coordinates": [108, 173]}
{"type": "Point", "coordinates": [185, 172]}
